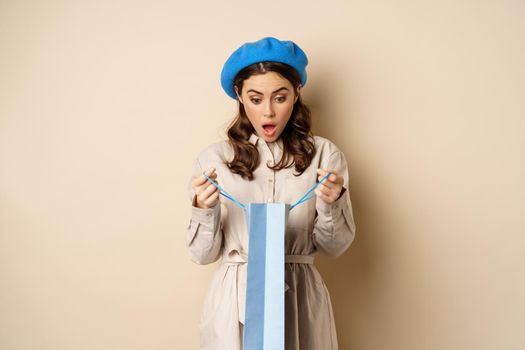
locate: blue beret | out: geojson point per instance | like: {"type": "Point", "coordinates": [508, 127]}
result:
{"type": "Point", "coordinates": [265, 49]}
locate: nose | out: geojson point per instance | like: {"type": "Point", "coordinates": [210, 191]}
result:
{"type": "Point", "coordinates": [268, 110]}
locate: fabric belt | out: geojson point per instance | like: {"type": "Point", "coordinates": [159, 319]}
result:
{"type": "Point", "coordinates": [242, 273]}
{"type": "Point", "coordinates": [289, 259]}
{"type": "Point", "coordinates": [299, 259]}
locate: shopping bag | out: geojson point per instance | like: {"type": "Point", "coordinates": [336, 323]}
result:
{"type": "Point", "coordinates": [264, 315]}
{"type": "Point", "coordinates": [264, 312]}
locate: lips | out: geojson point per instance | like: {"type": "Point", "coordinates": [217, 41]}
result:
{"type": "Point", "coordinates": [269, 129]}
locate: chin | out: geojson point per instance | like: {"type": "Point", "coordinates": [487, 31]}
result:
{"type": "Point", "coordinates": [271, 139]}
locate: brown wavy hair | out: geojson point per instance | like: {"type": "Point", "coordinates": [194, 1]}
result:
{"type": "Point", "coordinates": [297, 137]}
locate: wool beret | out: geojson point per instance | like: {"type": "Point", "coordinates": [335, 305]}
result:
{"type": "Point", "coordinates": [265, 49]}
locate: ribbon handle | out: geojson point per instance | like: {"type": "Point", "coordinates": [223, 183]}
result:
{"type": "Point", "coordinates": [243, 206]}
{"type": "Point", "coordinates": [304, 198]}
{"type": "Point", "coordinates": [224, 193]}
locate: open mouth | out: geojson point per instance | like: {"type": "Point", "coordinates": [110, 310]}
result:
{"type": "Point", "coordinates": [269, 129]}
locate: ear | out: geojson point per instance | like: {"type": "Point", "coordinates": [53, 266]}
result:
{"type": "Point", "coordinates": [298, 92]}
{"type": "Point", "coordinates": [237, 93]}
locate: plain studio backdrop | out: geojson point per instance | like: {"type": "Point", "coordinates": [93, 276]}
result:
{"type": "Point", "coordinates": [104, 105]}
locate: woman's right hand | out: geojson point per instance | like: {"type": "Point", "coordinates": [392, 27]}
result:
{"type": "Point", "coordinates": [206, 194]}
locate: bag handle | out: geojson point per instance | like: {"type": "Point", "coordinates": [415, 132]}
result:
{"type": "Point", "coordinates": [224, 193]}
{"type": "Point", "coordinates": [304, 198]}
{"type": "Point", "coordinates": [243, 206]}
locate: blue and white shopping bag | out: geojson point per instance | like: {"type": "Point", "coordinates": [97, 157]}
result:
{"type": "Point", "coordinates": [264, 314]}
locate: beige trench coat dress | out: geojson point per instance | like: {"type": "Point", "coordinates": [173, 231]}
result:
{"type": "Point", "coordinates": [220, 233]}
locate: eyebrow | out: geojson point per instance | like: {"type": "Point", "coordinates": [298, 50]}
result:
{"type": "Point", "coordinates": [260, 93]}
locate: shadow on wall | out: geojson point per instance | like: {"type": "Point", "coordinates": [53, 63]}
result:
{"type": "Point", "coordinates": [350, 277]}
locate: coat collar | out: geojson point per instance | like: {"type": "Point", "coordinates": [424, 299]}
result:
{"type": "Point", "coordinates": [254, 139]}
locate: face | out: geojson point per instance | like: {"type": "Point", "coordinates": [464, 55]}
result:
{"type": "Point", "coordinates": [268, 100]}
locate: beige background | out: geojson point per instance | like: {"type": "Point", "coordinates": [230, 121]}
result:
{"type": "Point", "coordinates": [105, 104]}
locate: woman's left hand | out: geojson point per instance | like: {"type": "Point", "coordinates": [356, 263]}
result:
{"type": "Point", "coordinates": [330, 189]}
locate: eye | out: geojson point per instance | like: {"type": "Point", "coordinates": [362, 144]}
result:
{"type": "Point", "coordinates": [255, 100]}
{"type": "Point", "coordinates": [281, 99]}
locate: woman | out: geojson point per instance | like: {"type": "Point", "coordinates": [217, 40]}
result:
{"type": "Point", "coordinates": [271, 155]}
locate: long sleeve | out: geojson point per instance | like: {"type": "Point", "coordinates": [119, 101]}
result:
{"type": "Point", "coordinates": [204, 232]}
{"type": "Point", "coordinates": [334, 226]}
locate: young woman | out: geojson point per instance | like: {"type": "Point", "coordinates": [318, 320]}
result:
{"type": "Point", "coordinates": [270, 156]}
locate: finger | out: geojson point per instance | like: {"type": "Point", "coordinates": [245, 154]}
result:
{"type": "Point", "coordinates": [324, 190]}
{"type": "Point", "coordinates": [199, 180]}
{"type": "Point", "coordinates": [208, 191]}
{"type": "Point", "coordinates": [327, 186]}
{"type": "Point", "coordinates": [321, 177]}
{"type": "Point", "coordinates": [323, 196]}
{"type": "Point", "coordinates": [323, 172]}
{"type": "Point", "coordinates": [333, 193]}
{"type": "Point", "coordinates": [334, 178]}
{"type": "Point", "coordinates": [212, 177]}
{"type": "Point", "coordinates": [211, 200]}
{"type": "Point", "coordinates": [202, 188]}
{"type": "Point", "coordinates": [338, 179]}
